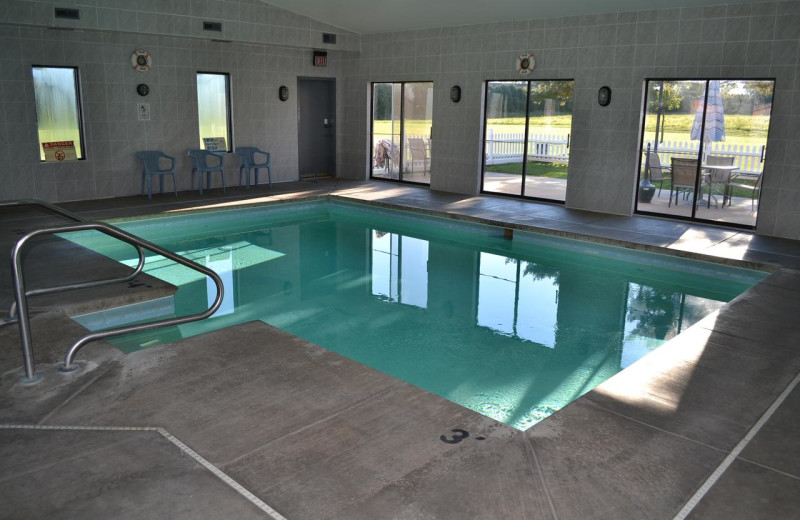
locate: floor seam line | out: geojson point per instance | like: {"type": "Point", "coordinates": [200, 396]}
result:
{"type": "Point", "coordinates": [540, 471]}
{"type": "Point", "coordinates": [662, 430]}
{"type": "Point", "coordinates": [749, 461]}
{"type": "Point", "coordinates": [73, 395]}
{"type": "Point", "coordinates": [221, 475]}
{"type": "Point", "coordinates": [307, 426]}
{"type": "Point", "coordinates": [712, 479]}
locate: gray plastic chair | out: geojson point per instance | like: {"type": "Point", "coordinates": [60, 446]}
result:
{"type": "Point", "coordinates": [249, 162]}
{"type": "Point", "coordinates": [201, 165]}
{"type": "Point", "coordinates": [152, 166]}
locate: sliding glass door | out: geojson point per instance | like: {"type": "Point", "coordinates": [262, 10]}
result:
{"type": "Point", "coordinates": [401, 131]}
{"type": "Point", "coordinates": [527, 134]}
{"type": "Point", "coordinates": [703, 149]}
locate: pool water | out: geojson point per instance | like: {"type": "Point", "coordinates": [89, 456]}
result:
{"type": "Point", "coordinates": [513, 328]}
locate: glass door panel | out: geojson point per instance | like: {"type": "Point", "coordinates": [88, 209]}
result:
{"type": "Point", "coordinates": [736, 142]}
{"type": "Point", "coordinates": [549, 125]}
{"type": "Point", "coordinates": [718, 128]}
{"type": "Point", "coordinates": [386, 129]}
{"type": "Point", "coordinates": [504, 148]}
{"type": "Point", "coordinates": [668, 146]}
{"type": "Point", "coordinates": [417, 120]}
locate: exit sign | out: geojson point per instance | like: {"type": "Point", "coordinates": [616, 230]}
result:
{"type": "Point", "coordinates": [320, 59]}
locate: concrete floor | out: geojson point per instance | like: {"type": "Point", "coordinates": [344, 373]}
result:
{"type": "Point", "coordinates": [253, 422]}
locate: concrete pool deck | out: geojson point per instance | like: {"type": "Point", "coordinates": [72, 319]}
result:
{"type": "Point", "coordinates": [314, 435]}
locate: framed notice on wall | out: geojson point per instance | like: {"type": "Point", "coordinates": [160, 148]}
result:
{"type": "Point", "coordinates": [215, 144]}
{"type": "Point", "coordinates": [59, 151]}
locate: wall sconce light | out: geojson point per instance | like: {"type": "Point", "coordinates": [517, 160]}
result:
{"type": "Point", "coordinates": [455, 94]}
{"type": "Point", "coordinates": [283, 93]}
{"type": "Point", "coordinates": [604, 96]}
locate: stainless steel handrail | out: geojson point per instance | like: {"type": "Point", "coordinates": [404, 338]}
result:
{"type": "Point", "coordinates": [12, 311]}
{"type": "Point", "coordinates": [22, 302]}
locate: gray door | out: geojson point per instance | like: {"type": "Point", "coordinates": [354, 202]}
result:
{"type": "Point", "coordinates": [315, 127]}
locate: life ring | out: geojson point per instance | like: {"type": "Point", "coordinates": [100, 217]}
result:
{"type": "Point", "coordinates": [141, 61]}
{"type": "Point", "coordinates": [525, 63]}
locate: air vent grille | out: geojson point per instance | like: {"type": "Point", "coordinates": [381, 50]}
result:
{"type": "Point", "coordinates": [329, 38]}
{"type": "Point", "coordinates": [67, 13]}
{"type": "Point", "coordinates": [212, 26]}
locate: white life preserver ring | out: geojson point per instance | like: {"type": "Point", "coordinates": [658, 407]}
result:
{"type": "Point", "coordinates": [525, 63]}
{"type": "Point", "coordinates": [141, 61]}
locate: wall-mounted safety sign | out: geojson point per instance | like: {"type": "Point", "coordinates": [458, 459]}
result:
{"type": "Point", "coordinates": [58, 151]}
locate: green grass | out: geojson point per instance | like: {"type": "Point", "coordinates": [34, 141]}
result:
{"type": "Point", "coordinates": [535, 169]}
{"type": "Point", "coordinates": [753, 127]}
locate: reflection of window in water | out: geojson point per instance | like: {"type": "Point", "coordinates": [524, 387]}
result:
{"type": "Point", "coordinates": [658, 315]}
{"type": "Point", "coordinates": [518, 298]}
{"type": "Point", "coordinates": [221, 262]}
{"type": "Point", "coordinates": [400, 268]}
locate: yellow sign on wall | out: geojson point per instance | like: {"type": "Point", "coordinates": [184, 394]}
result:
{"type": "Point", "coordinates": [59, 151]}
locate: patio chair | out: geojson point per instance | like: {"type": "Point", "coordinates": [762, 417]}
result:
{"type": "Point", "coordinates": [152, 166]}
{"type": "Point", "coordinates": [419, 153]}
{"type": "Point", "coordinates": [684, 173]}
{"type": "Point", "coordinates": [201, 165]}
{"type": "Point", "coordinates": [719, 177]}
{"type": "Point", "coordinates": [250, 162]}
{"type": "Point", "coordinates": [754, 190]}
{"type": "Point", "coordinates": [658, 173]}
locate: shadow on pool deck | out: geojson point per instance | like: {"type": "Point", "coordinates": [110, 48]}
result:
{"type": "Point", "coordinates": [315, 435]}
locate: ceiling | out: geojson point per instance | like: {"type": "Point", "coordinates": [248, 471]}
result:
{"type": "Point", "coordinates": [376, 16]}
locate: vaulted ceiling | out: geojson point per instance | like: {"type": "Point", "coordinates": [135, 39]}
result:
{"type": "Point", "coordinates": [376, 16]}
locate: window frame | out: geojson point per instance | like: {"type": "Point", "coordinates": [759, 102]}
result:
{"type": "Point", "coordinates": [79, 109]}
{"type": "Point", "coordinates": [402, 129]}
{"type": "Point", "coordinates": [638, 163]}
{"type": "Point", "coordinates": [521, 195]}
{"type": "Point", "coordinates": [228, 108]}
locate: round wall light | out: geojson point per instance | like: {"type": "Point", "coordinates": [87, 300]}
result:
{"type": "Point", "coordinates": [455, 94]}
{"type": "Point", "coordinates": [283, 93]}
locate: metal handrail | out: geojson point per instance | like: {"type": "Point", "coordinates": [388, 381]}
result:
{"type": "Point", "coordinates": [22, 303]}
{"type": "Point", "coordinates": [12, 311]}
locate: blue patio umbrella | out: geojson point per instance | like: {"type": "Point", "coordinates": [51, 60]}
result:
{"type": "Point", "coordinates": [715, 116]}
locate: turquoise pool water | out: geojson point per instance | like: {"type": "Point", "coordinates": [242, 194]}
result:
{"type": "Point", "coordinates": [512, 328]}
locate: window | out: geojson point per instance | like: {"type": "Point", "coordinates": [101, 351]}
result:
{"type": "Point", "coordinates": [399, 268]}
{"type": "Point", "coordinates": [402, 115]}
{"type": "Point", "coordinates": [703, 149]}
{"type": "Point", "coordinates": [214, 111]}
{"type": "Point", "coordinates": [527, 133]}
{"type": "Point", "coordinates": [58, 113]}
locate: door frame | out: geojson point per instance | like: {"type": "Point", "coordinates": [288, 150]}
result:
{"type": "Point", "coordinates": [370, 148]}
{"type": "Point", "coordinates": [331, 81]}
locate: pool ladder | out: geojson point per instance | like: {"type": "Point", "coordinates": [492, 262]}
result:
{"type": "Point", "coordinates": [19, 309]}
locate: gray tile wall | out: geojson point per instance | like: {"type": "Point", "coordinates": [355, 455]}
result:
{"type": "Point", "coordinates": [271, 47]}
{"type": "Point", "coordinates": [751, 40]}
{"type": "Point", "coordinates": [108, 83]}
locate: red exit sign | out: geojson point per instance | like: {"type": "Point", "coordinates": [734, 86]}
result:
{"type": "Point", "coordinates": [320, 59]}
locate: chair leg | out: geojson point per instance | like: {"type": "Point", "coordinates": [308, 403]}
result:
{"type": "Point", "coordinates": [269, 178]}
{"type": "Point", "coordinates": [149, 186]}
{"type": "Point", "coordinates": [222, 174]}
{"type": "Point", "coordinates": [161, 184]}
{"type": "Point", "coordinates": [255, 184]}
{"type": "Point", "coordinates": [174, 186]}
{"type": "Point", "coordinates": [143, 176]}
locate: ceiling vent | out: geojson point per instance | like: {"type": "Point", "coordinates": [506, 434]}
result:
{"type": "Point", "coordinates": [329, 38]}
{"type": "Point", "coordinates": [67, 13]}
{"type": "Point", "coordinates": [212, 26]}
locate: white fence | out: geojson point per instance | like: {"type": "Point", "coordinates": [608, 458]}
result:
{"type": "Point", "coordinates": [747, 158]}
{"type": "Point", "coordinates": [506, 148]}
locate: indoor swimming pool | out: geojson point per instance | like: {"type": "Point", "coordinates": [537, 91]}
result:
{"type": "Point", "coordinates": [513, 325]}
